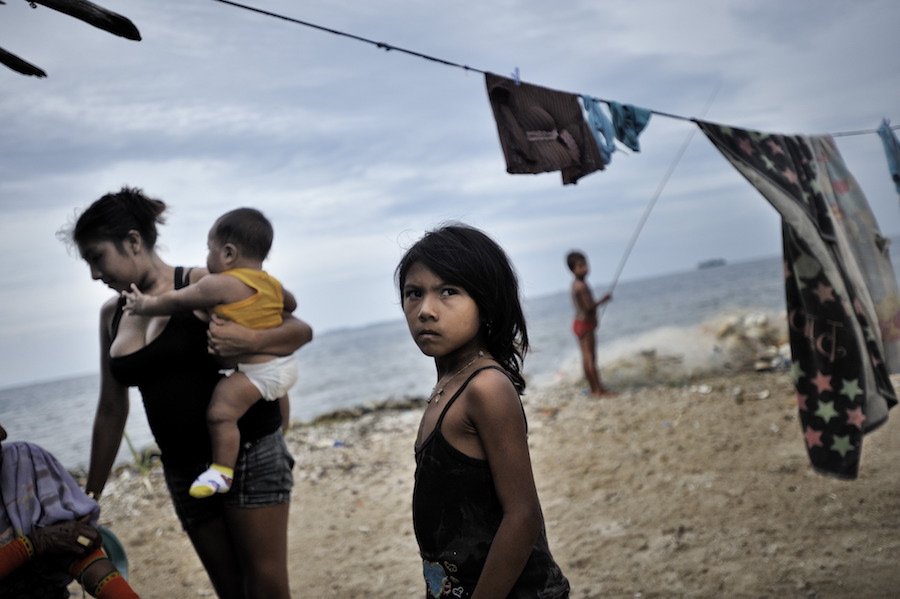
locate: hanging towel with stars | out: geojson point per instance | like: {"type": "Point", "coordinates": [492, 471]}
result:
{"type": "Point", "coordinates": [841, 357]}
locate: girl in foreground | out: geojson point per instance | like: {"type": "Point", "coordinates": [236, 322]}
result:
{"type": "Point", "coordinates": [476, 512]}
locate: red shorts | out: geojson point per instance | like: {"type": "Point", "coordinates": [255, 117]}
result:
{"type": "Point", "coordinates": [581, 327]}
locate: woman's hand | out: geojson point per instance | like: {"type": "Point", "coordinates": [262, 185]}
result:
{"type": "Point", "coordinates": [227, 339]}
{"type": "Point", "coordinates": [73, 537]}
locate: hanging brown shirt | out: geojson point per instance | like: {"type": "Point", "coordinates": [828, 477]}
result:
{"type": "Point", "coordinates": [542, 130]}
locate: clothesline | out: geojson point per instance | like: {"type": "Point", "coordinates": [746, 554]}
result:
{"type": "Point", "coordinates": [388, 47]}
{"type": "Point", "coordinates": [862, 132]}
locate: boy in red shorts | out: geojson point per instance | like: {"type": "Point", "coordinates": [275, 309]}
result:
{"type": "Point", "coordinates": [586, 320]}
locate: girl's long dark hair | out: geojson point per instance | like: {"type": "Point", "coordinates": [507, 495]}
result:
{"type": "Point", "coordinates": [465, 256]}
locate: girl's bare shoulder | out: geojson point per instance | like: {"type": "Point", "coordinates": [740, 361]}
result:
{"type": "Point", "coordinates": [492, 390]}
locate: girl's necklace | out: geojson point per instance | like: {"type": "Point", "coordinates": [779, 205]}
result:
{"type": "Point", "coordinates": [436, 394]}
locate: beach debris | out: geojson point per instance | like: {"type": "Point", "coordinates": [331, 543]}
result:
{"type": "Point", "coordinates": [647, 367]}
{"type": "Point", "coordinates": [739, 394]}
{"type": "Point", "coordinates": [752, 342]}
{"type": "Point", "coordinates": [731, 343]}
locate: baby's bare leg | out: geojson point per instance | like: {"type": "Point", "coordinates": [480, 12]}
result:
{"type": "Point", "coordinates": [231, 399]}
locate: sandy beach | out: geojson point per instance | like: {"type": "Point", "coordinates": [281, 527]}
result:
{"type": "Point", "coordinates": [701, 489]}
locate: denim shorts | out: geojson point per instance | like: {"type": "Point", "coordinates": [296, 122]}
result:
{"type": "Point", "coordinates": [262, 477]}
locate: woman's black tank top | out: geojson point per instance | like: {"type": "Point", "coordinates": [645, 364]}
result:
{"type": "Point", "coordinates": [456, 514]}
{"type": "Point", "coordinates": [176, 376]}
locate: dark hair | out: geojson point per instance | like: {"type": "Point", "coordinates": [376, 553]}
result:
{"type": "Point", "coordinates": [111, 218]}
{"type": "Point", "coordinates": [246, 228]}
{"type": "Point", "coordinates": [462, 255]}
{"type": "Point", "coordinates": [573, 257]}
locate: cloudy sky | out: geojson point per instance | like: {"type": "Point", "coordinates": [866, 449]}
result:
{"type": "Point", "coordinates": [354, 151]}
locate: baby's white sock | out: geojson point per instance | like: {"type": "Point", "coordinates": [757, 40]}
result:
{"type": "Point", "coordinates": [216, 479]}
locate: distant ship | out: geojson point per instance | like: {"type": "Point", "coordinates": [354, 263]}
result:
{"type": "Point", "coordinates": [711, 263]}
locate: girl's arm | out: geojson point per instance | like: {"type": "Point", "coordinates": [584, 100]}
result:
{"type": "Point", "coordinates": [494, 409]}
{"type": "Point", "coordinates": [227, 339]}
{"type": "Point", "coordinates": [112, 412]}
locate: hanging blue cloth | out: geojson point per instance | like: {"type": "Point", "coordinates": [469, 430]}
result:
{"type": "Point", "coordinates": [601, 127]}
{"type": "Point", "coordinates": [629, 121]}
{"type": "Point", "coordinates": [892, 149]}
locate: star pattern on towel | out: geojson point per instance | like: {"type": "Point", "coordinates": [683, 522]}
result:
{"type": "Point", "coordinates": [851, 389]}
{"type": "Point", "coordinates": [855, 417]}
{"type": "Point", "coordinates": [842, 444]}
{"type": "Point", "coordinates": [797, 371]}
{"type": "Point", "coordinates": [813, 438]}
{"type": "Point", "coordinates": [826, 411]}
{"type": "Point", "coordinates": [822, 382]}
{"type": "Point", "coordinates": [841, 186]}
{"type": "Point", "coordinates": [824, 293]}
{"type": "Point", "coordinates": [790, 175]}
{"type": "Point", "coordinates": [832, 342]}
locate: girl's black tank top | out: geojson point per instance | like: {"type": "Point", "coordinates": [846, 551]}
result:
{"type": "Point", "coordinates": [176, 376]}
{"type": "Point", "coordinates": [456, 514]}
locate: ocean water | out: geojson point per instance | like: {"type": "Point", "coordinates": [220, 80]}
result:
{"type": "Point", "coordinates": [670, 314]}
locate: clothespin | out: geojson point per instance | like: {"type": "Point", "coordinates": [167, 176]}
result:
{"type": "Point", "coordinates": [515, 76]}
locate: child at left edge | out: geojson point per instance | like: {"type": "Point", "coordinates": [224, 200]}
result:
{"type": "Point", "coordinates": [476, 513]}
{"type": "Point", "coordinates": [237, 289]}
